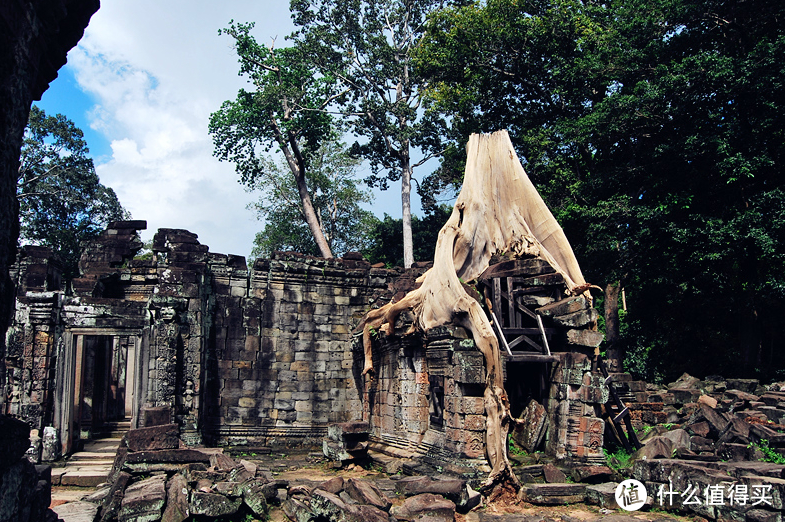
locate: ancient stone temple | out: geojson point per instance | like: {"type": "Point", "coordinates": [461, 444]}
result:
{"type": "Point", "coordinates": [427, 401]}
{"type": "Point", "coordinates": [266, 356]}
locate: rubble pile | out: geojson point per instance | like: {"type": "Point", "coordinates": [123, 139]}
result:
{"type": "Point", "coordinates": [717, 419]}
{"type": "Point", "coordinates": [25, 489]}
{"type": "Point", "coordinates": [155, 477]}
{"type": "Point", "coordinates": [346, 443]}
{"type": "Point", "coordinates": [713, 448]}
{"type": "Point", "coordinates": [356, 500]}
{"type": "Point", "coordinates": [719, 450]}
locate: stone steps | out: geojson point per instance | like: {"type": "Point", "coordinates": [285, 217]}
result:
{"type": "Point", "coordinates": [554, 494]}
{"type": "Point", "coordinates": [91, 456]}
{"type": "Point", "coordinates": [113, 430]}
{"type": "Point", "coordinates": [89, 467]}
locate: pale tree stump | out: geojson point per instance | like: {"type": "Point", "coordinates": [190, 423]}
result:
{"type": "Point", "coordinates": [497, 211]}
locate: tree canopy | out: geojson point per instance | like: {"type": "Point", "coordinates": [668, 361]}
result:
{"type": "Point", "coordinates": [654, 130]}
{"type": "Point", "coordinates": [385, 238]}
{"type": "Point", "coordinates": [365, 47]}
{"type": "Point", "coordinates": [62, 203]}
{"type": "Point", "coordinates": [285, 112]}
{"type": "Point", "coordinates": [336, 198]}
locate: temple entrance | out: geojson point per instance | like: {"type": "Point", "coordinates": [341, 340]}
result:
{"type": "Point", "coordinates": [100, 392]}
{"type": "Point", "coordinates": [104, 396]}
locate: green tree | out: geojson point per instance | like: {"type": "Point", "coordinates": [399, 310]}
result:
{"type": "Point", "coordinates": [365, 46]}
{"type": "Point", "coordinates": [385, 239]}
{"type": "Point", "coordinates": [654, 131]}
{"type": "Point", "coordinates": [62, 203]}
{"type": "Point", "coordinates": [287, 111]}
{"type": "Point", "coordinates": [336, 200]}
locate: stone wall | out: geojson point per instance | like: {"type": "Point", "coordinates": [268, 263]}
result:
{"type": "Point", "coordinates": [426, 400]}
{"type": "Point", "coordinates": [282, 363]}
{"type": "Point", "coordinates": [266, 357]}
{"type": "Point", "coordinates": [35, 36]}
{"type": "Point", "coordinates": [576, 429]}
{"type": "Point", "coordinates": [256, 357]}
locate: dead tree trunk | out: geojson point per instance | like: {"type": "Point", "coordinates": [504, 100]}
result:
{"type": "Point", "coordinates": [498, 210]}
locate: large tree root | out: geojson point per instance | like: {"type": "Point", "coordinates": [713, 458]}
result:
{"type": "Point", "coordinates": [498, 210]}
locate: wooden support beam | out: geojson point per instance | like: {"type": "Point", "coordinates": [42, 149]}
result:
{"type": "Point", "coordinates": [525, 339]}
{"type": "Point", "coordinates": [514, 321]}
{"type": "Point", "coordinates": [531, 357]}
{"type": "Point", "coordinates": [529, 331]}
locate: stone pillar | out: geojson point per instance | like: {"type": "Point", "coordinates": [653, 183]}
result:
{"type": "Point", "coordinates": [575, 432]}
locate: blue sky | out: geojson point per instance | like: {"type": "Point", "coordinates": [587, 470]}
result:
{"type": "Point", "coordinates": [64, 96]}
{"type": "Point", "coordinates": [142, 83]}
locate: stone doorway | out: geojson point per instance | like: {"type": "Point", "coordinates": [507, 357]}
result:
{"type": "Point", "coordinates": [100, 384]}
{"type": "Point", "coordinates": [102, 397]}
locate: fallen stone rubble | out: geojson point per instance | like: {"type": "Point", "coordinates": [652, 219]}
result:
{"type": "Point", "coordinates": [712, 443]}
{"type": "Point", "coordinates": [25, 489]}
{"type": "Point", "coordinates": [713, 420]}
{"type": "Point", "coordinates": [705, 446]}
{"type": "Point", "coordinates": [155, 478]}
{"type": "Point", "coordinates": [356, 500]}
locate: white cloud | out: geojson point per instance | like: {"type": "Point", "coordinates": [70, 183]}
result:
{"type": "Point", "coordinates": [157, 70]}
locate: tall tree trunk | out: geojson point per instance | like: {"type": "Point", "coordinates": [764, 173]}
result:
{"type": "Point", "coordinates": [311, 218]}
{"type": "Point", "coordinates": [406, 208]}
{"type": "Point", "coordinates": [297, 166]}
{"type": "Point", "coordinates": [615, 355]}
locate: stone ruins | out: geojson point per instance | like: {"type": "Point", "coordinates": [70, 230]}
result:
{"type": "Point", "coordinates": [266, 357]}
{"type": "Point", "coordinates": [193, 350]}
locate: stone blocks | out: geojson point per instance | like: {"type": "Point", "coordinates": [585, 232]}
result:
{"type": "Point", "coordinates": [574, 431]}
{"type": "Point", "coordinates": [346, 442]}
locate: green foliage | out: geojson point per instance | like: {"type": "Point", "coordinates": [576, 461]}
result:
{"type": "Point", "coordinates": [287, 111]}
{"type": "Point", "coordinates": [619, 460]}
{"type": "Point", "coordinates": [769, 454]}
{"type": "Point", "coordinates": [645, 430]}
{"type": "Point", "coordinates": [365, 48]}
{"type": "Point", "coordinates": [385, 243]}
{"type": "Point", "coordinates": [514, 449]}
{"type": "Point", "coordinates": [62, 203]}
{"type": "Point", "coordinates": [146, 253]}
{"type": "Point", "coordinates": [654, 131]}
{"type": "Point", "coordinates": [336, 199]}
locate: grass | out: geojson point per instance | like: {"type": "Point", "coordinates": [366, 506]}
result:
{"type": "Point", "coordinates": [514, 449]}
{"type": "Point", "coordinates": [618, 460]}
{"type": "Point", "coordinates": [769, 454]}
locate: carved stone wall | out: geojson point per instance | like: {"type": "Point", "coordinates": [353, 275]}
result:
{"type": "Point", "coordinates": [282, 363]}
{"type": "Point", "coordinates": [264, 356]}
{"type": "Point", "coordinates": [575, 430]}
{"type": "Point", "coordinates": [426, 400]}
{"type": "Point", "coordinates": [238, 356]}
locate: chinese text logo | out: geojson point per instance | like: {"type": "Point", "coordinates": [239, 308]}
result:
{"type": "Point", "coordinates": [630, 495]}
